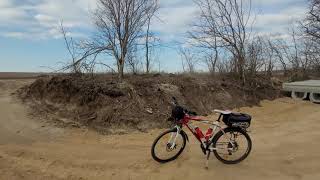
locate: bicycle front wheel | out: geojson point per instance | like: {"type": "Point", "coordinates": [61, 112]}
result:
{"type": "Point", "coordinates": [232, 146]}
{"type": "Point", "coordinates": [168, 146]}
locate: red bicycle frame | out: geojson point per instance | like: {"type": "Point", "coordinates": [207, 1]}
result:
{"type": "Point", "coordinates": [196, 131]}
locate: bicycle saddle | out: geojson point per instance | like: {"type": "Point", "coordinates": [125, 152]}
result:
{"type": "Point", "coordinates": [222, 112]}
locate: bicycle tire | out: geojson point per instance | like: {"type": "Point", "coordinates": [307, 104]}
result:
{"type": "Point", "coordinates": [231, 129]}
{"type": "Point", "coordinates": [153, 154]}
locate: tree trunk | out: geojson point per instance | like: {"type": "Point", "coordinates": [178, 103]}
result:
{"type": "Point", "coordinates": [120, 73]}
{"type": "Point", "coordinates": [120, 68]}
{"type": "Point", "coordinates": [214, 62]}
{"type": "Point", "coordinates": [147, 48]}
{"type": "Point", "coordinates": [241, 70]}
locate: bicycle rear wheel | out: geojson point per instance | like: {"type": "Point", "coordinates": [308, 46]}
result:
{"type": "Point", "coordinates": [232, 146]}
{"type": "Point", "coordinates": [168, 146]}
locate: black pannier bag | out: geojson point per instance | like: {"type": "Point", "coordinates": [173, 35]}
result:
{"type": "Point", "coordinates": [237, 120]}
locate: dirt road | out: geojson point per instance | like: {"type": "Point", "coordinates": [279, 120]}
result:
{"type": "Point", "coordinates": [285, 134]}
{"type": "Point", "coordinates": [15, 125]}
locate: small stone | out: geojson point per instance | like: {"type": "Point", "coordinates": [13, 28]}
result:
{"type": "Point", "coordinates": [149, 110]}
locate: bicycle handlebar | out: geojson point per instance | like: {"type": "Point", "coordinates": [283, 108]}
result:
{"type": "Point", "coordinates": [175, 102]}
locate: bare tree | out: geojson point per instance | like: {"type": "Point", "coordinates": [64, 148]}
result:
{"type": "Point", "coordinates": [312, 21]}
{"type": "Point", "coordinates": [224, 65]}
{"type": "Point", "coordinates": [306, 57]}
{"type": "Point", "coordinates": [270, 55]}
{"type": "Point", "coordinates": [278, 47]}
{"type": "Point", "coordinates": [294, 54]}
{"type": "Point", "coordinates": [120, 24]}
{"type": "Point", "coordinates": [188, 60]}
{"type": "Point", "coordinates": [132, 61]}
{"type": "Point", "coordinates": [149, 35]}
{"type": "Point", "coordinates": [71, 46]}
{"type": "Point", "coordinates": [255, 59]}
{"type": "Point", "coordinates": [211, 60]}
{"type": "Point", "coordinates": [147, 45]}
{"type": "Point", "coordinates": [261, 57]}
{"type": "Point", "coordinates": [212, 56]}
{"type": "Point", "coordinates": [228, 23]}
{"type": "Point", "coordinates": [311, 26]}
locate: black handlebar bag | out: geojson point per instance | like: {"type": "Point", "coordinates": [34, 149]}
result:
{"type": "Point", "coordinates": [237, 120]}
{"type": "Point", "coordinates": [177, 113]}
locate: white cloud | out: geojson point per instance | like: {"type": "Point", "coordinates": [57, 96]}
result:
{"type": "Point", "coordinates": [10, 15]}
{"type": "Point", "coordinates": [39, 19]}
{"type": "Point", "coordinates": [265, 20]}
{"type": "Point", "coordinates": [4, 3]}
{"type": "Point", "coordinates": [18, 35]}
{"type": "Point", "coordinates": [270, 2]}
{"type": "Point", "coordinates": [174, 3]}
{"type": "Point", "coordinates": [272, 17]}
{"type": "Point", "coordinates": [46, 20]}
{"type": "Point", "coordinates": [175, 19]}
{"type": "Point", "coordinates": [73, 11]}
{"type": "Point", "coordinates": [280, 22]}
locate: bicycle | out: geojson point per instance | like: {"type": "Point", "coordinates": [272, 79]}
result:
{"type": "Point", "coordinates": [224, 142]}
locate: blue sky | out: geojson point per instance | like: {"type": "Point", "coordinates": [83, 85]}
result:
{"type": "Point", "coordinates": [30, 40]}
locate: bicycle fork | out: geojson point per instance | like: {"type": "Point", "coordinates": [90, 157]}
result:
{"type": "Point", "coordinates": [174, 138]}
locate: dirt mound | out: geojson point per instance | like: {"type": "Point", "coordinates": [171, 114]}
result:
{"type": "Point", "coordinates": [139, 102]}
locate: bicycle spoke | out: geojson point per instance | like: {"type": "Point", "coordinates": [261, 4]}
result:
{"type": "Point", "coordinates": [169, 145]}
{"type": "Point", "coordinates": [231, 146]}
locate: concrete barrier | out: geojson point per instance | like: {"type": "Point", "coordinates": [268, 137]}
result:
{"type": "Point", "coordinates": [315, 97]}
{"type": "Point", "coordinates": [301, 89]}
{"type": "Point", "coordinates": [299, 95]}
